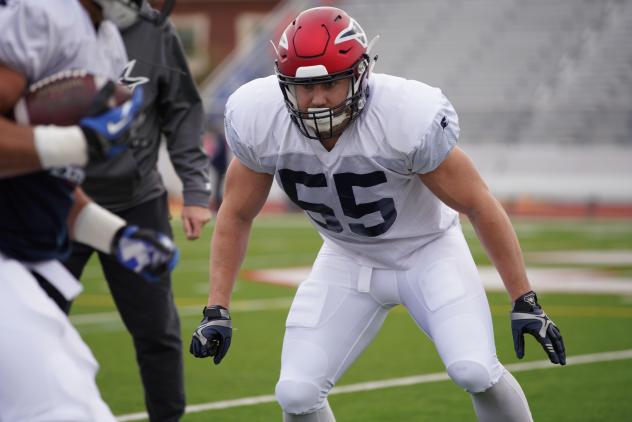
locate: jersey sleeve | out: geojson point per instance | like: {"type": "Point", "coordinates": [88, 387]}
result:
{"type": "Point", "coordinates": [35, 36]}
{"type": "Point", "coordinates": [249, 130]}
{"type": "Point", "coordinates": [243, 151]}
{"type": "Point", "coordinates": [441, 136]}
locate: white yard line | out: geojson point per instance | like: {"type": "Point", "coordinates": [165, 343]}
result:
{"type": "Point", "coordinates": [394, 382]}
{"type": "Point", "coordinates": [583, 257]}
{"type": "Point", "coordinates": [237, 306]}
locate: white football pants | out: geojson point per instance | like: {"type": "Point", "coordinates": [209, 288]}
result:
{"type": "Point", "coordinates": [340, 308]}
{"type": "Point", "coordinates": [47, 373]}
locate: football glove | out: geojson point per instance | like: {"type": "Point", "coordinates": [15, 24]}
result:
{"type": "Point", "coordinates": [105, 128]}
{"type": "Point", "coordinates": [528, 317]}
{"type": "Point", "coordinates": [146, 252]}
{"type": "Point", "coordinates": [212, 337]}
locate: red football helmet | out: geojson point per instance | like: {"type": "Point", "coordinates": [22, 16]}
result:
{"type": "Point", "coordinates": [321, 45]}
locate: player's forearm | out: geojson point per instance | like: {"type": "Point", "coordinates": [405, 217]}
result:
{"type": "Point", "coordinates": [26, 149]}
{"type": "Point", "coordinates": [496, 233]}
{"type": "Point", "coordinates": [228, 249]}
{"type": "Point", "coordinates": [17, 149]}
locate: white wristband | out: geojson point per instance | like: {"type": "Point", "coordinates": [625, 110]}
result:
{"type": "Point", "coordinates": [58, 146]}
{"type": "Point", "coordinates": [95, 226]}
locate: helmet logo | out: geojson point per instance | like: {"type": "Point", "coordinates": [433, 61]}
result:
{"type": "Point", "coordinates": [283, 41]}
{"type": "Point", "coordinates": [352, 32]}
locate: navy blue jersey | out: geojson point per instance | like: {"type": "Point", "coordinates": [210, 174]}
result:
{"type": "Point", "coordinates": [33, 213]}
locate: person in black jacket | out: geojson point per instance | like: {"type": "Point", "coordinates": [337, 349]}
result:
{"type": "Point", "coordinates": [131, 187]}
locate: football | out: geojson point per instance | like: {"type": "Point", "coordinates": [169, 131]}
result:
{"type": "Point", "coordinates": [64, 98]}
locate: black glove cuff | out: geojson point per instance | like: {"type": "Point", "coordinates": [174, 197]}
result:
{"type": "Point", "coordinates": [528, 302]}
{"type": "Point", "coordinates": [116, 239]}
{"type": "Point", "coordinates": [216, 312]}
{"type": "Point", "coordinates": [96, 145]}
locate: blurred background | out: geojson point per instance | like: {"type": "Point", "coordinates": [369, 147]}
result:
{"type": "Point", "coordinates": [543, 88]}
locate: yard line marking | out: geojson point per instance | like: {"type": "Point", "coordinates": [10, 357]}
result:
{"type": "Point", "coordinates": [237, 306]}
{"type": "Point", "coordinates": [394, 382]}
{"type": "Point", "coordinates": [113, 318]}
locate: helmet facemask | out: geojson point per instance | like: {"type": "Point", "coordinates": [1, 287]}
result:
{"type": "Point", "coordinates": [325, 123]}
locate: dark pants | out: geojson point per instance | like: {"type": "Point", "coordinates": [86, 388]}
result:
{"type": "Point", "coordinates": [149, 313]}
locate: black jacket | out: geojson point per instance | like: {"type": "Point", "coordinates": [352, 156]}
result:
{"type": "Point", "coordinates": [173, 108]}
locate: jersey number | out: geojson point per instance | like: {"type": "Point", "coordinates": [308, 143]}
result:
{"type": "Point", "coordinates": [344, 187]}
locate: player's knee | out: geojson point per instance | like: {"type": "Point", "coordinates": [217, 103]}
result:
{"type": "Point", "coordinates": [472, 376]}
{"type": "Point", "coordinates": [298, 397]}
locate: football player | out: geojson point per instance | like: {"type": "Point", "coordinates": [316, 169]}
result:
{"type": "Point", "coordinates": [373, 161]}
{"type": "Point", "coordinates": [47, 371]}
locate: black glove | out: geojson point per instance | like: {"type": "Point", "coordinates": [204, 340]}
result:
{"type": "Point", "coordinates": [212, 337]}
{"type": "Point", "coordinates": [528, 317]}
{"type": "Point", "coordinates": [147, 252]}
{"type": "Point", "coordinates": [105, 128]}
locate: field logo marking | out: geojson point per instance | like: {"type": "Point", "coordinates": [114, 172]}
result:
{"type": "Point", "coordinates": [561, 280]}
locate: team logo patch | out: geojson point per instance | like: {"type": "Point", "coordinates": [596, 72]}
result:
{"type": "Point", "coordinates": [530, 299]}
{"type": "Point", "coordinates": [130, 81]}
{"type": "Point", "coordinates": [352, 32]}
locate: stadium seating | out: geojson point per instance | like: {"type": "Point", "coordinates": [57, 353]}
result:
{"type": "Point", "coordinates": [516, 71]}
{"type": "Point", "coordinates": [543, 88]}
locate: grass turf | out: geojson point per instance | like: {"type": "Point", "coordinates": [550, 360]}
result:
{"type": "Point", "coordinates": [589, 323]}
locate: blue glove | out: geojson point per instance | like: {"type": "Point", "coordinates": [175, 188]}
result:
{"type": "Point", "coordinates": [105, 129]}
{"type": "Point", "coordinates": [212, 337]}
{"type": "Point", "coordinates": [528, 317]}
{"type": "Point", "coordinates": [146, 252]}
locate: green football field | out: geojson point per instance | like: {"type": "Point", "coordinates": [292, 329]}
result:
{"type": "Point", "coordinates": [407, 379]}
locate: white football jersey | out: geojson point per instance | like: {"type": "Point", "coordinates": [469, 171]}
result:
{"type": "Point", "coordinates": [363, 196]}
{"type": "Point", "coordinates": [40, 38]}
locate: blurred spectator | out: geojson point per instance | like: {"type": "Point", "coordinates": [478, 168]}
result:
{"type": "Point", "coordinates": [217, 150]}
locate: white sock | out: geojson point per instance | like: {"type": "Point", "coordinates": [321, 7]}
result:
{"type": "Point", "coordinates": [322, 415]}
{"type": "Point", "coordinates": [503, 402]}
